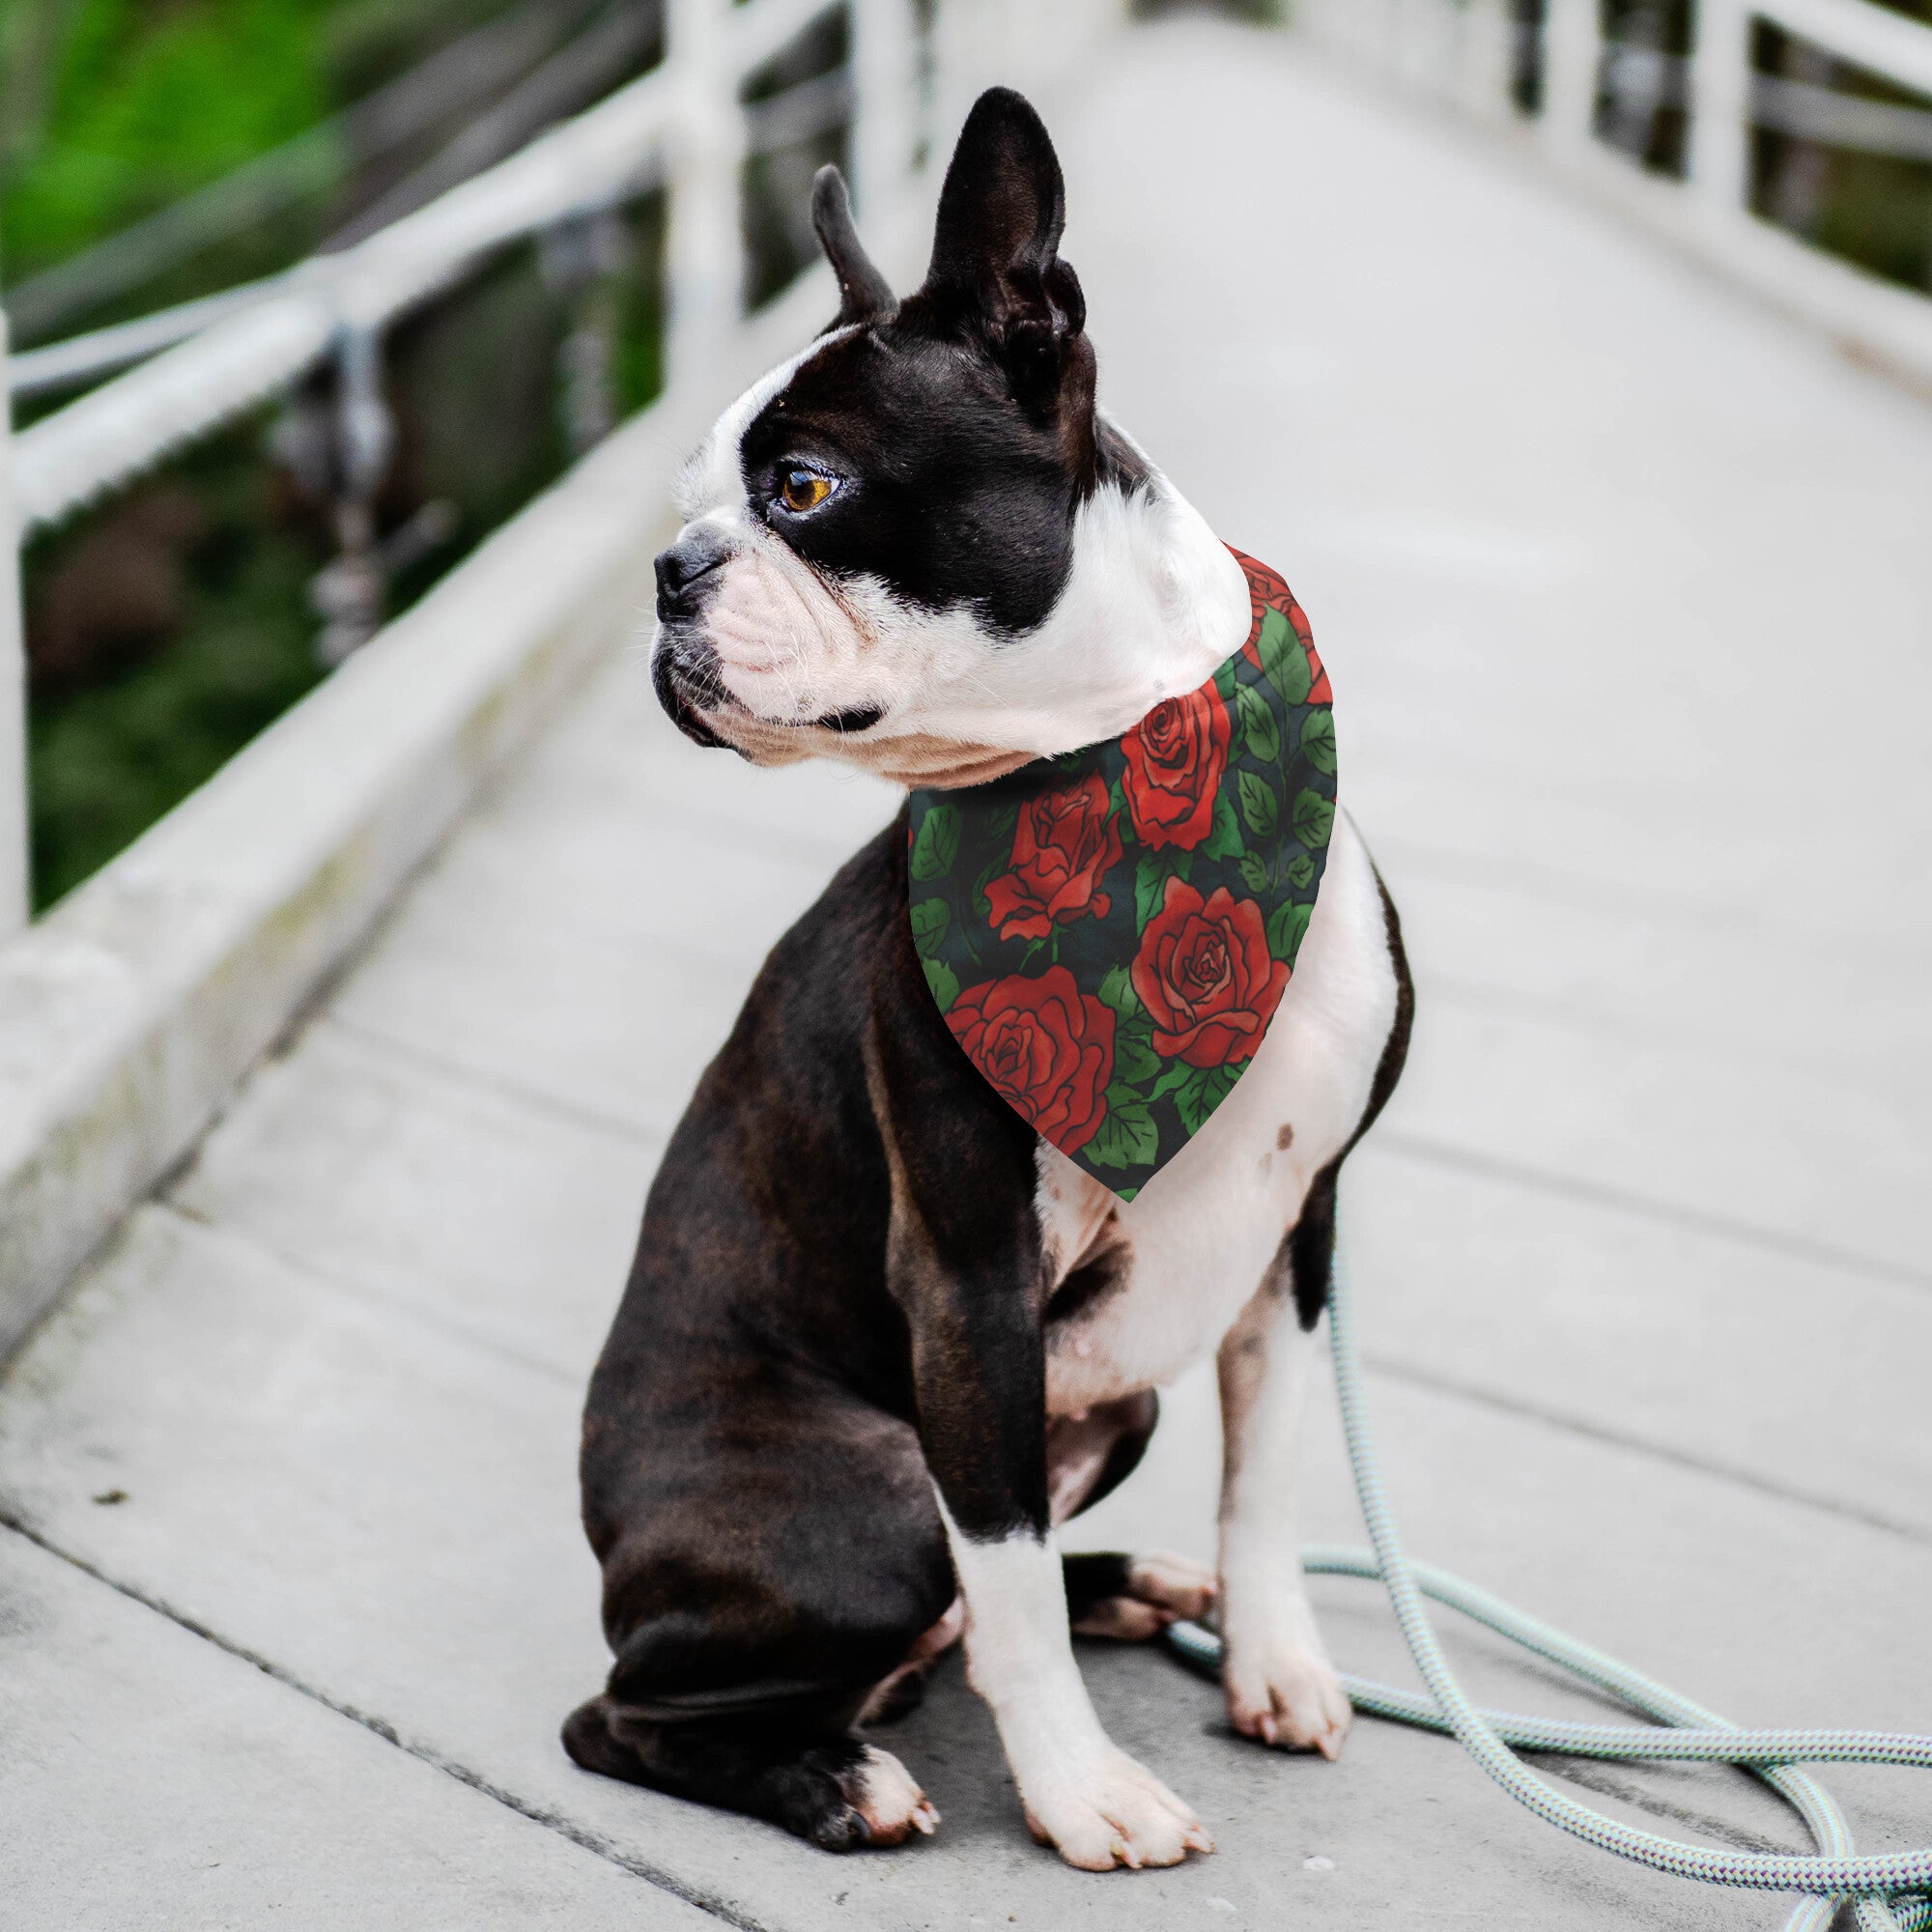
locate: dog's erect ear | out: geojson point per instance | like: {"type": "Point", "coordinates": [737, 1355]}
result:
{"type": "Point", "coordinates": [994, 259]}
{"type": "Point", "coordinates": [862, 292]}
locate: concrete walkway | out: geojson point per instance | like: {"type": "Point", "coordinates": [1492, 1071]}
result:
{"type": "Point", "coordinates": [1623, 585]}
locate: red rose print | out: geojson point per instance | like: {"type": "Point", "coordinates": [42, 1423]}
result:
{"type": "Point", "coordinates": [1177, 756]}
{"type": "Point", "coordinates": [1205, 976]}
{"type": "Point", "coordinates": [1063, 846]}
{"type": "Point", "coordinates": [1044, 1046]}
{"type": "Point", "coordinates": [1268, 589]}
{"type": "Point", "coordinates": [1321, 692]}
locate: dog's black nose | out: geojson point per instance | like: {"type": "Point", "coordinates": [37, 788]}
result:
{"type": "Point", "coordinates": [685, 573]}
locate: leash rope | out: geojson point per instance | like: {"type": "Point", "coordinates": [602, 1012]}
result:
{"type": "Point", "coordinates": [1878, 1885]}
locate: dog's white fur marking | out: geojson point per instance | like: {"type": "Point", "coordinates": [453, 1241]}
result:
{"type": "Point", "coordinates": [1201, 1237]}
{"type": "Point", "coordinates": [886, 1796]}
{"type": "Point", "coordinates": [1281, 1687]}
{"type": "Point", "coordinates": [1081, 1792]}
{"type": "Point", "coordinates": [1153, 606]}
{"type": "Point", "coordinates": [1203, 1231]}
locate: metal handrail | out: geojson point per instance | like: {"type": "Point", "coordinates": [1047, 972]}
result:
{"type": "Point", "coordinates": [606, 153]}
{"type": "Point", "coordinates": [683, 124]}
{"type": "Point", "coordinates": [1471, 54]}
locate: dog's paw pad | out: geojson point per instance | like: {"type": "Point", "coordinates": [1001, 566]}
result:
{"type": "Point", "coordinates": [886, 1801]}
{"type": "Point", "coordinates": [1287, 1695]}
{"type": "Point", "coordinates": [1113, 1812]}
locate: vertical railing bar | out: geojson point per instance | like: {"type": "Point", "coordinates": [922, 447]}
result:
{"type": "Point", "coordinates": [882, 107]}
{"type": "Point", "coordinates": [1719, 156]}
{"type": "Point", "coordinates": [1573, 51]}
{"type": "Point", "coordinates": [703, 267]}
{"type": "Point", "coordinates": [14, 870]}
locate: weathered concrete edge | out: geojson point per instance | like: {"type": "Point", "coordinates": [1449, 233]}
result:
{"type": "Point", "coordinates": [130, 1011]}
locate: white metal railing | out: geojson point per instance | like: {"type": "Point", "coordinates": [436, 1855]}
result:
{"type": "Point", "coordinates": [1469, 54]}
{"type": "Point", "coordinates": [682, 125]}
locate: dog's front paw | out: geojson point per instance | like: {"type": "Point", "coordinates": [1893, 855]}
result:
{"type": "Point", "coordinates": [1112, 1811]}
{"type": "Point", "coordinates": [878, 1804]}
{"type": "Point", "coordinates": [1285, 1692]}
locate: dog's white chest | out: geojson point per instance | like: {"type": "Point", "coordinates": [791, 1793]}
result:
{"type": "Point", "coordinates": [1148, 1286]}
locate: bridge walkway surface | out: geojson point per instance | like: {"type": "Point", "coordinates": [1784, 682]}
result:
{"type": "Point", "coordinates": [1622, 581]}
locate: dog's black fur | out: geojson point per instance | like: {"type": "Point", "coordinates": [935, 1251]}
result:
{"type": "Point", "coordinates": [761, 1423]}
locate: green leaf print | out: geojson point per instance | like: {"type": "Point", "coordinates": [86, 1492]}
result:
{"type": "Point", "coordinates": [937, 846]}
{"type": "Point", "coordinates": [1318, 741]}
{"type": "Point", "coordinates": [1127, 1136]}
{"type": "Point", "coordinates": [1117, 990]}
{"type": "Point", "coordinates": [1283, 659]}
{"type": "Point", "coordinates": [929, 920]}
{"type": "Point", "coordinates": [1204, 1090]}
{"type": "Point", "coordinates": [1259, 805]}
{"type": "Point", "coordinates": [1300, 871]}
{"type": "Point", "coordinates": [1285, 929]}
{"type": "Point", "coordinates": [1150, 877]}
{"type": "Point", "coordinates": [1134, 1057]}
{"type": "Point", "coordinates": [1176, 1075]}
{"type": "Point", "coordinates": [939, 975]}
{"type": "Point", "coordinates": [1257, 726]}
{"type": "Point", "coordinates": [1313, 818]}
{"type": "Point", "coordinates": [1254, 875]}
{"type": "Point", "coordinates": [1224, 679]}
{"type": "Point", "coordinates": [1225, 840]}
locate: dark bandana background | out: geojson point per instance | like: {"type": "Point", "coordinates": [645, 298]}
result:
{"type": "Point", "coordinates": [1109, 933]}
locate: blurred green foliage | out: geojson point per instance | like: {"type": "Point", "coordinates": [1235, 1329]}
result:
{"type": "Point", "coordinates": [110, 109]}
{"type": "Point", "coordinates": [109, 754]}
{"type": "Point", "coordinates": [137, 105]}
{"type": "Point", "coordinates": [170, 624]}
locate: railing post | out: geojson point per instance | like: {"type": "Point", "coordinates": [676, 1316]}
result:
{"type": "Point", "coordinates": [13, 901]}
{"type": "Point", "coordinates": [1572, 48]}
{"type": "Point", "coordinates": [882, 116]}
{"type": "Point", "coordinates": [1721, 108]}
{"type": "Point", "coordinates": [1484, 60]}
{"type": "Point", "coordinates": [347, 594]}
{"type": "Point", "coordinates": [703, 256]}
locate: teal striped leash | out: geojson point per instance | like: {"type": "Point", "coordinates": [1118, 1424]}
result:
{"type": "Point", "coordinates": [1884, 1888]}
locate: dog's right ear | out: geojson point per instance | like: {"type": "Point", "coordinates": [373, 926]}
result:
{"type": "Point", "coordinates": [864, 294]}
{"type": "Point", "coordinates": [995, 249]}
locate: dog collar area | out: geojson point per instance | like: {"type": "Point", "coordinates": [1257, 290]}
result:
{"type": "Point", "coordinates": [1109, 933]}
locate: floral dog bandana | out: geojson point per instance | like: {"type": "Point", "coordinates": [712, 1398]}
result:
{"type": "Point", "coordinates": [1109, 932]}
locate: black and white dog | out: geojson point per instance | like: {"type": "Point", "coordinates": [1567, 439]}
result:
{"type": "Point", "coordinates": [880, 1338]}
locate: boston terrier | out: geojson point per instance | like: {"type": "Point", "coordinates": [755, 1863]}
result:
{"type": "Point", "coordinates": [882, 1335]}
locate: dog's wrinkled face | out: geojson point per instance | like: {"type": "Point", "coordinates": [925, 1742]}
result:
{"type": "Point", "coordinates": [915, 547]}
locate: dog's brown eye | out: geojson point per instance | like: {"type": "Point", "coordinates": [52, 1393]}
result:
{"type": "Point", "coordinates": [803, 489]}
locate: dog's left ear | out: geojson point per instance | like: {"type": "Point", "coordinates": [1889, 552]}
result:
{"type": "Point", "coordinates": [864, 294]}
{"type": "Point", "coordinates": [995, 264]}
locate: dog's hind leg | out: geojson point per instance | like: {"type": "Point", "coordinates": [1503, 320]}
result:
{"type": "Point", "coordinates": [1108, 1593]}
{"type": "Point", "coordinates": [824, 1785]}
{"type": "Point", "coordinates": [1130, 1599]}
